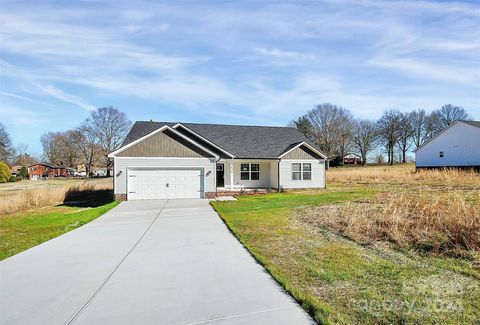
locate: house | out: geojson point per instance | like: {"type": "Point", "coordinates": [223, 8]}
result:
{"type": "Point", "coordinates": [16, 169]}
{"type": "Point", "coordinates": [160, 160]}
{"type": "Point", "coordinates": [352, 159]}
{"type": "Point", "coordinates": [45, 170]}
{"type": "Point", "coordinates": [456, 146]}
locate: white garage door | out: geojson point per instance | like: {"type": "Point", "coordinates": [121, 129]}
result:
{"type": "Point", "coordinates": [154, 184]}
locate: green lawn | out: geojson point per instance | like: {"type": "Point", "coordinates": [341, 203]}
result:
{"type": "Point", "coordinates": [21, 231]}
{"type": "Point", "coordinates": [339, 281]}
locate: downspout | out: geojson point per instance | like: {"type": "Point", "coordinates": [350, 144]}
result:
{"type": "Point", "coordinates": [278, 175]}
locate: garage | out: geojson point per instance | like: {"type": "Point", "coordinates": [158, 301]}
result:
{"type": "Point", "coordinates": [165, 183]}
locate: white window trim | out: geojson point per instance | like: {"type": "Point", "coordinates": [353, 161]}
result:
{"type": "Point", "coordinates": [249, 171]}
{"type": "Point", "coordinates": [301, 171]}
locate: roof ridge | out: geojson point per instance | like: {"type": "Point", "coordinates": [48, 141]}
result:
{"type": "Point", "coordinates": [216, 124]}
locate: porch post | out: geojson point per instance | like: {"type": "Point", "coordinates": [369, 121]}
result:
{"type": "Point", "coordinates": [231, 174]}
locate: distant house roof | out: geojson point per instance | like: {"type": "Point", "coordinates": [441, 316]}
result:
{"type": "Point", "coordinates": [47, 165]}
{"type": "Point", "coordinates": [473, 123]}
{"type": "Point", "coordinates": [242, 141]}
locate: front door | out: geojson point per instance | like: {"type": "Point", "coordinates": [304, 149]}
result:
{"type": "Point", "coordinates": [220, 175]}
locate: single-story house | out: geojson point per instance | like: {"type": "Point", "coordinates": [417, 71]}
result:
{"type": "Point", "coordinates": [46, 170]}
{"type": "Point", "coordinates": [160, 160]}
{"type": "Point", "coordinates": [456, 146]}
{"type": "Point", "coordinates": [352, 159]}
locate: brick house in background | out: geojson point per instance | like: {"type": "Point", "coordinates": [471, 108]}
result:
{"type": "Point", "coordinates": [45, 170]}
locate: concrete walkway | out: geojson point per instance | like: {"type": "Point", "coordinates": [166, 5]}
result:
{"type": "Point", "coordinates": [144, 262]}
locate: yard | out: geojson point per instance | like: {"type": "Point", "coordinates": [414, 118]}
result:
{"type": "Point", "coordinates": [381, 245]}
{"type": "Point", "coordinates": [32, 212]}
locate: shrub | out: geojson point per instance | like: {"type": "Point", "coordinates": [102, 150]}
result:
{"type": "Point", "coordinates": [5, 172]}
{"type": "Point", "coordinates": [24, 172]}
{"type": "Point", "coordinates": [12, 179]}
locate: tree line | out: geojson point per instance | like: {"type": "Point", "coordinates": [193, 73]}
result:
{"type": "Point", "coordinates": [88, 144]}
{"type": "Point", "coordinates": [337, 133]}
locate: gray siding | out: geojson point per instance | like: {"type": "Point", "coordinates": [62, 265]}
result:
{"type": "Point", "coordinates": [163, 144]}
{"type": "Point", "coordinates": [123, 163]}
{"type": "Point", "coordinates": [318, 174]}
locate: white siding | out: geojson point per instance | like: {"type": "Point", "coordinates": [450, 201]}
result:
{"type": "Point", "coordinates": [318, 174]}
{"type": "Point", "coordinates": [460, 145]}
{"type": "Point", "coordinates": [123, 163]}
{"type": "Point", "coordinates": [264, 180]}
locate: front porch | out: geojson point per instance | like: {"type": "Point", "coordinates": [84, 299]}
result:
{"type": "Point", "coordinates": [246, 176]}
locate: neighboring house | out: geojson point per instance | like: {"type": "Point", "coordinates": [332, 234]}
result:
{"type": "Point", "coordinates": [160, 160]}
{"type": "Point", "coordinates": [352, 159]}
{"type": "Point", "coordinates": [456, 146]}
{"type": "Point", "coordinates": [45, 170]}
{"type": "Point", "coordinates": [16, 169]}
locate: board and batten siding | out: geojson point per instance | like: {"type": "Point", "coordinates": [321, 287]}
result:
{"type": "Point", "coordinates": [122, 164]}
{"type": "Point", "coordinates": [318, 174]}
{"type": "Point", "coordinates": [460, 145]}
{"type": "Point", "coordinates": [301, 153]}
{"type": "Point", "coordinates": [163, 144]}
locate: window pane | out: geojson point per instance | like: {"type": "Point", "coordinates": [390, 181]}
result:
{"type": "Point", "coordinates": [255, 176]}
{"type": "Point", "coordinates": [255, 167]}
{"type": "Point", "coordinates": [307, 167]}
{"type": "Point", "coordinates": [244, 167]}
{"type": "Point", "coordinates": [296, 167]}
{"type": "Point", "coordinates": [296, 176]}
{"type": "Point", "coordinates": [307, 176]}
{"type": "Point", "coordinates": [244, 176]}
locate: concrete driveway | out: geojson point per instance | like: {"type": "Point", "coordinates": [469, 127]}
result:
{"type": "Point", "coordinates": [144, 262]}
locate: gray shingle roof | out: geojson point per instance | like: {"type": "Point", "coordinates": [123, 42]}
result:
{"type": "Point", "coordinates": [240, 140]}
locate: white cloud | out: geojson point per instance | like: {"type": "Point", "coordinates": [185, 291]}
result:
{"type": "Point", "coordinates": [277, 53]}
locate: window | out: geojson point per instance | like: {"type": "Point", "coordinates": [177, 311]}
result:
{"type": "Point", "coordinates": [441, 154]}
{"type": "Point", "coordinates": [296, 171]}
{"type": "Point", "coordinates": [307, 171]}
{"type": "Point", "coordinates": [301, 171]}
{"type": "Point", "coordinates": [249, 172]}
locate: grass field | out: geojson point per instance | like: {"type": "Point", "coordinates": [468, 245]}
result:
{"type": "Point", "coordinates": [32, 212]}
{"type": "Point", "coordinates": [382, 245]}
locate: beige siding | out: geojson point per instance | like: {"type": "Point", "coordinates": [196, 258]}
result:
{"type": "Point", "coordinates": [163, 144]}
{"type": "Point", "coordinates": [301, 153]}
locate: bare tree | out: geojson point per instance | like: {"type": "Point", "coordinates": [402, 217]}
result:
{"type": "Point", "coordinates": [405, 135]}
{"type": "Point", "coordinates": [84, 140]}
{"type": "Point", "coordinates": [52, 147]}
{"type": "Point", "coordinates": [446, 116]}
{"type": "Point", "coordinates": [418, 120]}
{"type": "Point", "coordinates": [6, 149]}
{"type": "Point", "coordinates": [388, 131]}
{"type": "Point", "coordinates": [364, 135]}
{"type": "Point", "coordinates": [329, 126]}
{"type": "Point", "coordinates": [109, 127]}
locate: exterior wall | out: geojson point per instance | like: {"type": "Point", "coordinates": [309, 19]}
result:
{"type": "Point", "coordinates": [318, 174]}
{"type": "Point", "coordinates": [301, 153]}
{"type": "Point", "coordinates": [163, 144]}
{"type": "Point", "coordinates": [460, 145]}
{"type": "Point", "coordinates": [264, 180]}
{"type": "Point", "coordinates": [123, 163]}
{"type": "Point", "coordinates": [39, 171]}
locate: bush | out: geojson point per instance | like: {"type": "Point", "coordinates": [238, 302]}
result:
{"type": "Point", "coordinates": [5, 172]}
{"type": "Point", "coordinates": [24, 172]}
{"type": "Point", "coordinates": [12, 179]}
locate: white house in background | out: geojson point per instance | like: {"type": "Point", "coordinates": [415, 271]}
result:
{"type": "Point", "coordinates": [456, 146]}
{"type": "Point", "coordinates": [165, 160]}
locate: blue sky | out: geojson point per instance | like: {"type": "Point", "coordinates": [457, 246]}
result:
{"type": "Point", "coordinates": [246, 62]}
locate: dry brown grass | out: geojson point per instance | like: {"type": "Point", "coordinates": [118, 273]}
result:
{"type": "Point", "coordinates": [45, 196]}
{"type": "Point", "coordinates": [440, 222]}
{"type": "Point", "coordinates": [403, 174]}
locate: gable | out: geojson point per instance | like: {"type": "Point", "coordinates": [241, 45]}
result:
{"type": "Point", "coordinates": [164, 144]}
{"type": "Point", "coordinates": [301, 152]}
